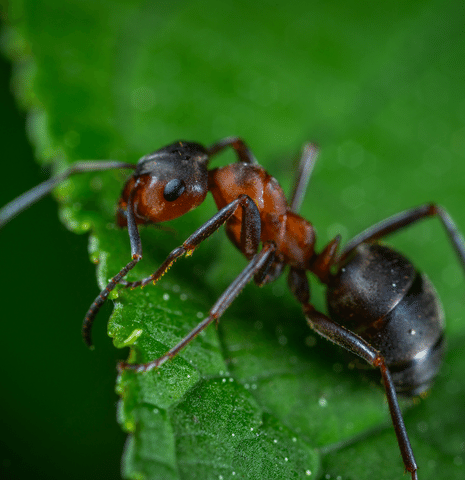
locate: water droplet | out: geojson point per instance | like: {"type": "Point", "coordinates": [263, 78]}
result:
{"type": "Point", "coordinates": [422, 427]}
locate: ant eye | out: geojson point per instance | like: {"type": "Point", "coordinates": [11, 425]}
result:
{"type": "Point", "coordinates": [173, 190]}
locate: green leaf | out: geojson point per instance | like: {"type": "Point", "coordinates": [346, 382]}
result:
{"type": "Point", "coordinates": [380, 88]}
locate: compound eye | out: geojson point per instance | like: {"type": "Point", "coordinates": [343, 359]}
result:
{"type": "Point", "coordinates": [173, 190]}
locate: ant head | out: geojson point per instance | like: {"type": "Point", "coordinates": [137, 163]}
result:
{"type": "Point", "coordinates": [167, 183]}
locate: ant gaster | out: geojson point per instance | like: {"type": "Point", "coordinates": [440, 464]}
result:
{"type": "Point", "coordinates": [380, 307]}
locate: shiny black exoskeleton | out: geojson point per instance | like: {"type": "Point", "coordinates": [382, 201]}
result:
{"type": "Point", "coordinates": [379, 295]}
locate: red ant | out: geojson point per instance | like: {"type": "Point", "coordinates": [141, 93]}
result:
{"type": "Point", "coordinates": [380, 307]}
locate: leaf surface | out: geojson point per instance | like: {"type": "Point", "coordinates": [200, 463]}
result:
{"type": "Point", "coordinates": [260, 396]}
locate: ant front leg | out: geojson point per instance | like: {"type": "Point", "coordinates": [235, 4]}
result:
{"type": "Point", "coordinates": [136, 254]}
{"type": "Point", "coordinates": [405, 219]}
{"type": "Point", "coordinates": [250, 240]}
{"type": "Point", "coordinates": [24, 201]}
{"type": "Point", "coordinates": [250, 237]}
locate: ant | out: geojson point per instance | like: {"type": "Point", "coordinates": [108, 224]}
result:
{"type": "Point", "coordinates": [380, 307]}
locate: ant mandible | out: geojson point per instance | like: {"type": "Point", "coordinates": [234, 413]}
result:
{"type": "Point", "coordinates": [380, 307]}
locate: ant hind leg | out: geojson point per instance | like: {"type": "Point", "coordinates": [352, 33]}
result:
{"type": "Point", "coordinates": [331, 330]}
{"type": "Point", "coordinates": [336, 333]}
{"type": "Point", "coordinates": [405, 219]}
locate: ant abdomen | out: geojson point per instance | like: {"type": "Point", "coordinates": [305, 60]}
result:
{"type": "Point", "coordinates": [380, 295]}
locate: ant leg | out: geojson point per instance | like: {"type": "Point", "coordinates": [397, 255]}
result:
{"type": "Point", "coordinates": [255, 265]}
{"type": "Point", "coordinates": [304, 172]}
{"type": "Point", "coordinates": [16, 206]}
{"type": "Point", "coordinates": [136, 254]}
{"type": "Point", "coordinates": [352, 342]}
{"type": "Point", "coordinates": [242, 150]}
{"type": "Point", "coordinates": [336, 333]}
{"type": "Point", "coordinates": [250, 236]}
{"type": "Point", "coordinates": [321, 264]}
{"type": "Point", "coordinates": [404, 219]}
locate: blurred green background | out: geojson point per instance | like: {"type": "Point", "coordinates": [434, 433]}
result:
{"type": "Point", "coordinates": [50, 427]}
{"type": "Point", "coordinates": [378, 86]}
